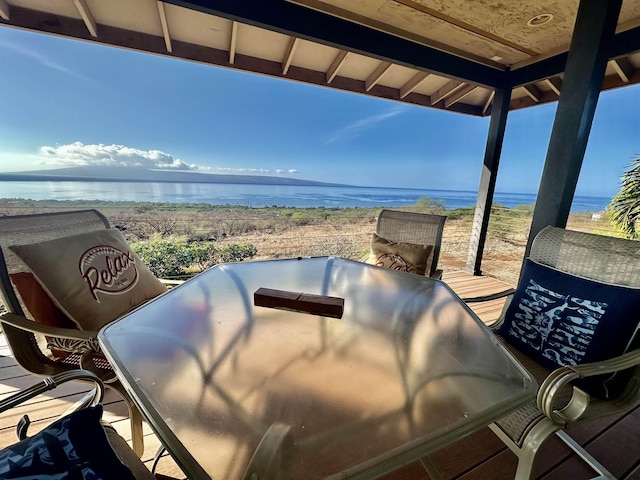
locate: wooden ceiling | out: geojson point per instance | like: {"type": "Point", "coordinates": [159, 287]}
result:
{"type": "Point", "coordinates": [445, 54]}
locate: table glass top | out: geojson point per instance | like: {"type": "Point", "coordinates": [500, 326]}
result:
{"type": "Point", "coordinates": [407, 367]}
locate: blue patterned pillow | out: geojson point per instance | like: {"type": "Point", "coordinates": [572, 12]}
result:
{"type": "Point", "coordinates": [74, 447]}
{"type": "Point", "coordinates": [559, 320]}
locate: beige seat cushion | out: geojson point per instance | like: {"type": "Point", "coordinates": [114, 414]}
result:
{"type": "Point", "coordinates": [92, 277]}
{"type": "Point", "coordinates": [405, 257]}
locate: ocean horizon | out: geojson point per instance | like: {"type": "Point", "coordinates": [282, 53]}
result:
{"type": "Point", "coordinates": [258, 195]}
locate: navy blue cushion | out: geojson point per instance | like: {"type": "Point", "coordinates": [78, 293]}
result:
{"type": "Point", "coordinates": [74, 448]}
{"type": "Point", "coordinates": [560, 319]}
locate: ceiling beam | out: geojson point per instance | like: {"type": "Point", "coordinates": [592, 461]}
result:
{"type": "Point", "coordinates": [87, 17]}
{"type": "Point", "coordinates": [413, 83]}
{"type": "Point", "coordinates": [302, 22]}
{"type": "Point", "coordinates": [376, 75]}
{"type": "Point", "coordinates": [232, 42]}
{"type": "Point", "coordinates": [4, 9]}
{"type": "Point", "coordinates": [555, 84]}
{"type": "Point", "coordinates": [288, 56]}
{"type": "Point", "coordinates": [623, 68]}
{"type": "Point", "coordinates": [335, 66]}
{"type": "Point", "coordinates": [622, 44]}
{"type": "Point", "coordinates": [459, 95]}
{"type": "Point", "coordinates": [625, 42]}
{"type": "Point", "coordinates": [331, 9]}
{"type": "Point", "coordinates": [534, 92]}
{"type": "Point", "coordinates": [165, 26]}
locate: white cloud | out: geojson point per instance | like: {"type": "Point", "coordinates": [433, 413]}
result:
{"type": "Point", "coordinates": [47, 62]}
{"type": "Point", "coordinates": [257, 171]}
{"type": "Point", "coordinates": [78, 154]}
{"type": "Point", "coordinates": [358, 127]}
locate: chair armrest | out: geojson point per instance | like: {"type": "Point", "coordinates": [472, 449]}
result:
{"type": "Point", "coordinates": [493, 296]}
{"type": "Point", "coordinates": [49, 383]}
{"type": "Point", "coordinates": [24, 323]}
{"type": "Point", "coordinates": [579, 402]}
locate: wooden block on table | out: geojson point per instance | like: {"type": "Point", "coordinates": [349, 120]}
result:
{"type": "Point", "coordinates": [321, 305]}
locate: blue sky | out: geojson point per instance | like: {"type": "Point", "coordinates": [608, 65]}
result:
{"type": "Point", "coordinates": [73, 103]}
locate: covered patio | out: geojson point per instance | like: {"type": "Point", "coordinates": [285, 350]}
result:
{"type": "Point", "coordinates": [483, 59]}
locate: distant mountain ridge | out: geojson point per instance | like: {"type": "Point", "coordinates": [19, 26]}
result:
{"type": "Point", "coordinates": [129, 174]}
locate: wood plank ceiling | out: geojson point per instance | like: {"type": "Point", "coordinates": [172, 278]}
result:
{"type": "Point", "coordinates": [476, 46]}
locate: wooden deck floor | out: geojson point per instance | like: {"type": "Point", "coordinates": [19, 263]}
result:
{"type": "Point", "coordinates": [614, 441]}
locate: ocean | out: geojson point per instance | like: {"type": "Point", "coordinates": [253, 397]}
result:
{"type": "Point", "coordinates": [267, 195]}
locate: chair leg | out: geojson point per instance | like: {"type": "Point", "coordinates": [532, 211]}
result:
{"type": "Point", "coordinates": [586, 456]}
{"type": "Point", "coordinates": [135, 418]}
{"type": "Point", "coordinates": [535, 438]}
{"type": "Point", "coordinates": [137, 437]}
{"type": "Point", "coordinates": [527, 452]}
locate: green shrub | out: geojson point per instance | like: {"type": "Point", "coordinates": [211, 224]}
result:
{"type": "Point", "coordinates": [164, 258]}
{"type": "Point", "coordinates": [169, 259]}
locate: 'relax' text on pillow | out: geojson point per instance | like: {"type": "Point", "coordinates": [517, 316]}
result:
{"type": "Point", "coordinates": [93, 277]}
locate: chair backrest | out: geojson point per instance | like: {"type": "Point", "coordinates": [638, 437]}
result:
{"type": "Point", "coordinates": [411, 227]}
{"type": "Point", "coordinates": [24, 229]}
{"type": "Point", "coordinates": [601, 258]}
{"type": "Point", "coordinates": [604, 259]}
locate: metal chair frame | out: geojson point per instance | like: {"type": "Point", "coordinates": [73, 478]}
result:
{"type": "Point", "coordinates": [559, 403]}
{"type": "Point", "coordinates": [26, 337]}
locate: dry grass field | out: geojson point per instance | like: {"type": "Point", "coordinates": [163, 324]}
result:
{"type": "Point", "coordinates": [504, 250]}
{"type": "Point", "coordinates": [279, 232]}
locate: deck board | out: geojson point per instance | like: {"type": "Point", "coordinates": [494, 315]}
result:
{"type": "Point", "coordinates": [613, 440]}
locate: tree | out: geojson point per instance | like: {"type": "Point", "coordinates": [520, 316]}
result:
{"type": "Point", "coordinates": [624, 209]}
{"type": "Point", "coordinates": [429, 205]}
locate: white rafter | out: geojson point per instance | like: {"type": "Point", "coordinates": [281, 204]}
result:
{"type": "Point", "coordinates": [377, 74]}
{"type": "Point", "coordinates": [4, 9]}
{"type": "Point", "coordinates": [233, 41]}
{"type": "Point", "coordinates": [489, 101]}
{"type": "Point", "coordinates": [623, 68]}
{"type": "Point", "coordinates": [446, 90]}
{"type": "Point", "coordinates": [165, 26]}
{"type": "Point", "coordinates": [459, 95]}
{"type": "Point", "coordinates": [87, 17]}
{"type": "Point", "coordinates": [555, 84]}
{"type": "Point", "coordinates": [335, 66]}
{"type": "Point", "coordinates": [288, 56]}
{"type": "Point", "coordinates": [534, 92]}
{"type": "Point", "coordinates": [412, 84]}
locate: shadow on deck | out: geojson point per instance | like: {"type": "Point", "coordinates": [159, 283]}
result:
{"type": "Point", "coordinates": [614, 440]}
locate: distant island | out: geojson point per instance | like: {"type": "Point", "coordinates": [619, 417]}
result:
{"type": "Point", "coordinates": [129, 174]}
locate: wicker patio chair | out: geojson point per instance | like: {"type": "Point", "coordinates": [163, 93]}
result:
{"type": "Point", "coordinates": [559, 401]}
{"type": "Point", "coordinates": [418, 228]}
{"type": "Point", "coordinates": [29, 340]}
{"type": "Point", "coordinates": [69, 445]}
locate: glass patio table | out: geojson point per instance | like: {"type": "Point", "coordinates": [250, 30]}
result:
{"type": "Point", "coordinates": [239, 391]}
